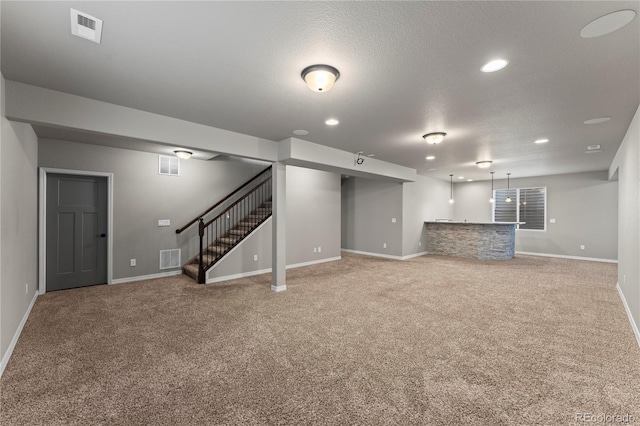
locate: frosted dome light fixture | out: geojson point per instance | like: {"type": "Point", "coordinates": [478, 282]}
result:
{"type": "Point", "coordinates": [434, 138]}
{"type": "Point", "coordinates": [320, 78]}
{"type": "Point", "coordinates": [183, 154]}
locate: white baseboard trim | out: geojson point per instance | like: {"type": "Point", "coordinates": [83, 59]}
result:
{"type": "Point", "coordinates": [385, 256]}
{"type": "Point", "coordinates": [590, 259]}
{"type": "Point", "coordinates": [314, 262]}
{"type": "Point", "coordinates": [267, 270]}
{"type": "Point", "coordinates": [278, 288]}
{"type": "Point", "coordinates": [16, 336]}
{"type": "Point", "coordinates": [146, 277]}
{"type": "Point", "coordinates": [236, 276]}
{"type": "Point", "coordinates": [634, 326]}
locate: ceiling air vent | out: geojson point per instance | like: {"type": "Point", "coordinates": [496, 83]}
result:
{"type": "Point", "coordinates": [86, 26]}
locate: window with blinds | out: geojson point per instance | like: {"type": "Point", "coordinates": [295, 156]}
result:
{"type": "Point", "coordinates": [527, 205]}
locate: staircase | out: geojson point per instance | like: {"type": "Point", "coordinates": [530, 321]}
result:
{"type": "Point", "coordinates": [221, 246]}
{"type": "Point", "coordinates": [230, 225]}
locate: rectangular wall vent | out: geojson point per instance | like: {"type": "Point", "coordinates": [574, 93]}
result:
{"type": "Point", "coordinates": [169, 166]}
{"type": "Point", "coordinates": [86, 26]}
{"type": "Point", "coordinates": [170, 259]}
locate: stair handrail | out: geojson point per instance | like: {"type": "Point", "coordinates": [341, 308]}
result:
{"type": "Point", "coordinates": [179, 230]}
{"type": "Point", "coordinates": [202, 268]}
{"type": "Point", "coordinates": [233, 205]}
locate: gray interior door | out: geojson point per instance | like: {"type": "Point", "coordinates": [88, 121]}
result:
{"type": "Point", "coordinates": [76, 217]}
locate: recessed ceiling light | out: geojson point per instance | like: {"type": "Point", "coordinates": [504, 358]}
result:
{"type": "Point", "coordinates": [597, 120]}
{"type": "Point", "coordinates": [331, 122]}
{"type": "Point", "coordinates": [460, 177]}
{"type": "Point", "coordinates": [495, 65]}
{"type": "Point", "coordinates": [301, 132]}
{"type": "Point", "coordinates": [484, 164]}
{"type": "Point", "coordinates": [593, 147]}
{"type": "Point", "coordinates": [542, 141]}
{"type": "Point", "coordinates": [469, 180]}
{"type": "Point", "coordinates": [607, 24]}
{"type": "Point", "coordinates": [430, 157]}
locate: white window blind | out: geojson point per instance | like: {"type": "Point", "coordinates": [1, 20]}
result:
{"type": "Point", "coordinates": [527, 205]}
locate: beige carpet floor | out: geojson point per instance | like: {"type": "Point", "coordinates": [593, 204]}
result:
{"type": "Point", "coordinates": [360, 341]}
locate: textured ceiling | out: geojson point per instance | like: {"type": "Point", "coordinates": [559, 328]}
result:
{"type": "Point", "coordinates": [407, 68]}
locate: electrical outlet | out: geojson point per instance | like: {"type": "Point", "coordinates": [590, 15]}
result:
{"type": "Point", "coordinates": [581, 246]}
{"type": "Point", "coordinates": [393, 220]}
{"type": "Point", "coordinates": [132, 262]}
{"type": "Point", "coordinates": [384, 245]}
{"type": "Point", "coordinates": [255, 257]}
{"type": "Point", "coordinates": [164, 222]}
{"type": "Point", "coordinates": [315, 250]}
{"type": "Point", "coordinates": [552, 221]}
{"type": "Point", "coordinates": [319, 249]}
{"type": "Point", "coordinates": [26, 288]}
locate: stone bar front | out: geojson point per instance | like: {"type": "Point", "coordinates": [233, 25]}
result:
{"type": "Point", "coordinates": [478, 240]}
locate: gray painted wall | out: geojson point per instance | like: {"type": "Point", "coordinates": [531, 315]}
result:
{"type": "Point", "coordinates": [425, 199]}
{"type": "Point", "coordinates": [627, 164]}
{"type": "Point", "coordinates": [585, 206]}
{"type": "Point", "coordinates": [18, 223]}
{"type": "Point", "coordinates": [313, 221]}
{"type": "Point", "coordinates": [142, 197]}
{"type": "Point", "coordinates": [368, 207]}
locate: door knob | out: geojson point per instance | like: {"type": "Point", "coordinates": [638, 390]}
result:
{"type": "Point", "coordinates": [103, 235]}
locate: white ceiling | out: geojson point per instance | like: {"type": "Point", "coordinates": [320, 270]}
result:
{"type": "Point", "coordinates": [407, 68]}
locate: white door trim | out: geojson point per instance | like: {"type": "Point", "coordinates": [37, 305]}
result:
{"type": "Point", "coordinates": [42, 223]}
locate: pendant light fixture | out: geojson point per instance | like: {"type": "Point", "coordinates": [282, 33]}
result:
{"type": "Point", "coordinates": [451, 193]}
{"type": "Point", "coordinates": [508, 199]}
{"type": "Point", "coordinates": [320, 78]}
{"type": "Point", "coordinates": [492, 200]}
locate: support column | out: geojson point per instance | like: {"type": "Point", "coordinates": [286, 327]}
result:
{"type": "Point", "coordinates": [279, 236]}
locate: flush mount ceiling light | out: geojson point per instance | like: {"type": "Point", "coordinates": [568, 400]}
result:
{"type": "Point", "coordinates": [539, 141]}
{"type": "Point", "coordinates": [332, 122]}
{"type": "Point", "coordinates": [183, 154]}
{"type": "Point", "coordinates": [301, 132]}
{"type": "Point", "coordinates": [597, 120]}
{"type": "Point", "coordinates": [484, 164]}
{"type": "Point", "coordinates": [320, 78]}
{"type": "Point", "coordinates": [495, 65]}
{"type": "Point", "coordinates": [434, 138]}
{"type": "Point", "coordinates": [607, 24]}
{"type": "Point", "coordinates": [430, 157]}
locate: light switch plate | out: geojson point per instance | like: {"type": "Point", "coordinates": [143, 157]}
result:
{"type": "Point", "coordinates": [164, 222]}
